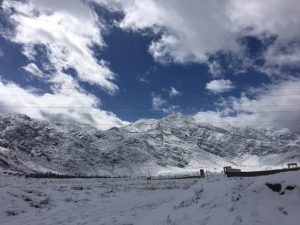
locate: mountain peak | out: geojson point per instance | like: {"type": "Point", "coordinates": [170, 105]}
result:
{"type": "Point", "coordinates": [177, 116]}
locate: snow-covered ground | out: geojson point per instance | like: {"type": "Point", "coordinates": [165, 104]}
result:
{"type": "Point", "coordinates": [213, 200]}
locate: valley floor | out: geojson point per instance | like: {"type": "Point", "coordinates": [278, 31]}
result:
{"type": "Point", "coordinates": [213, 200]}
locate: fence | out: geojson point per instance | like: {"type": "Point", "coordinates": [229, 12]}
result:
{"type": "Point", "coordinates": [258, 173]}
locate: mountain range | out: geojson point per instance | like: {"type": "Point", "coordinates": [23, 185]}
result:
{"type": "Point", "coordinates": [176, 143]}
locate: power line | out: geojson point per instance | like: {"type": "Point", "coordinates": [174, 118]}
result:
{"type": "Point", "coordinates": [254, 121]}
{"type": "Point", "coordinates": [127, 107]}
{"type": "Point", "coordinates": [150, 89]}
{"type": "Point", "coordinates": [212, 122]}
{"type": "Point", "coordinates": [267, 106]}
{"type": "Point", "coordinates": [105, 113]}
{"type": "Point", "coordinates": [203, 122]}
{"type": "Point", "coordinates": [139, 96]}
{"type": "Point", "coordinates": [242, 122]}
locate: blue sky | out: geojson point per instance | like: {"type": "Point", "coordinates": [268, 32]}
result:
{"type": "Point", "coordinates": [107, 63]}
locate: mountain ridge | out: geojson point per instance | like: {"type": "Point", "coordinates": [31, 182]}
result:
{"type": "Point", "coordinates": [174, 143]}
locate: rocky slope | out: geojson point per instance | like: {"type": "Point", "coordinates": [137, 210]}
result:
{"type": "Point", "coordinates": [176, 142]}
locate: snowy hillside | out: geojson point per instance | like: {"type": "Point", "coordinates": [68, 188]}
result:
{"type": "Point", "coordinates": [175, 143]}
{"type": "Point", "coordinates": [214, 200]}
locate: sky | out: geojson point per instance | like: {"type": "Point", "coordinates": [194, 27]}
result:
{"type": "Point", "coordinates": [112, 62]}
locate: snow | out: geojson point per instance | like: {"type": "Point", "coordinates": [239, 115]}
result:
{"type": "Point", "coordinates": [174, 144]}
{"type": "Point", "coordinates": [214, 200]}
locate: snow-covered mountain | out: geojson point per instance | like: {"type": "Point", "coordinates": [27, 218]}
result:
{"type": "Point", "coordinates": [174, 143]}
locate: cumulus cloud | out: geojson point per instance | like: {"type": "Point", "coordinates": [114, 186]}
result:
{"type": "Point", "coordinates": [173, 92]}
{"type": "Point", "coordinates": [193, 31]}
{"type": "Point", "coordinates": [161, 104]}
{"type": "Point", "coordinates": [269, 17]}
{"type": "Point", "coordinates": [68, 30]}
{"type": "Point", "coordinates": [219, 86]}
{"type": "Point", "coordinates": [272, 106]}
{"type": "Point", "coordinates": [189, 31]}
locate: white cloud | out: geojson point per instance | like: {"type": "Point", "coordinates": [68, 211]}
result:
{"type": "Point", "coordinates": [67, 29]}
{"type": "Point", "coordinates": [33, 69]}
{"type": "Point", "coordinates": [64, 104]}
{"type": "Point", "coordinates": [219, 86]}
{"type": "Point", "coordinates": [161, 104]}
{"type": "Point", "coordinates": [271, 18]}
{"type": "Point", "coordinates": [194, 30]}
{"type": "Point", "coordinates": [173, 92]}
{"type": "Point", "coordinates": [190, 31]}
{"type": "Point", "coordinates": [215, 69]}
{"type": "Point", "coordinates": [268, 17]}
{"type": "Point", "coordinates": [273, 106]}
{"type": "Point", "coordinates": [144, 80]}
{"type": "Point", "coordinates": [289, 57]}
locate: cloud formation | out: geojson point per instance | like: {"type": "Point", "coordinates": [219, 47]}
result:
{"type": "Point", "coordinates": [200, 30]}
{"type": "Point", "coordinates": [195, 31]}
{"type": "Point", "coordinates": [189, 31]}
{"type": "Point", "coordinates": [33, 69]}
{"type": "Point", "coordinates": [173, 92]}
{"type": "Point", "coordinates": [161, 104]}
{"type": "Point", "coordinates": [185, 33]}
{"type": "Point", "coordinates": [66, 31]}
{"type": "Point", "coordinates": [272, 106]}
{"type": "Point", "coordinates": [219, 86]}
{"type": "Point", "coordinates": [58, 26]}
{"type": "Point", "coordinates": [60, 106]}
{"type": "Point", "coordinates": [215, 69]}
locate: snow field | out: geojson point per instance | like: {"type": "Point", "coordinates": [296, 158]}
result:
{"type": "Point", "coordinates": [214, 200]}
